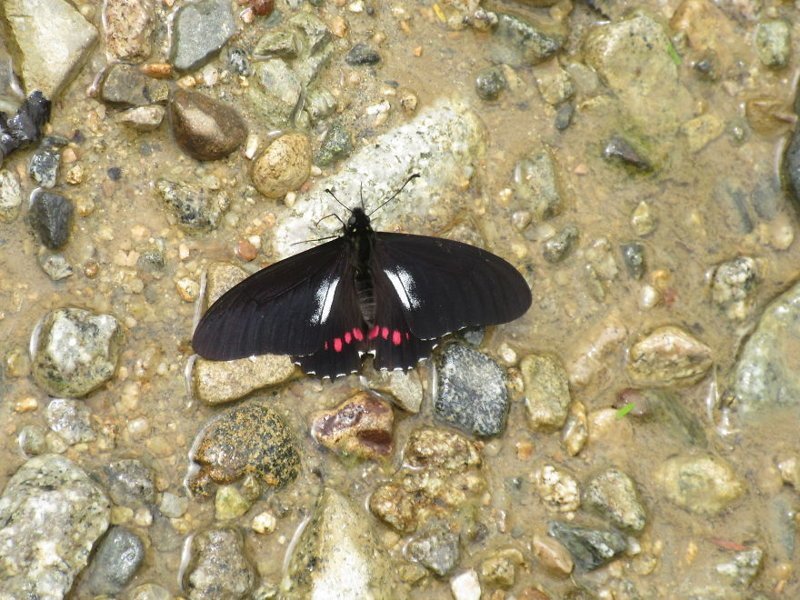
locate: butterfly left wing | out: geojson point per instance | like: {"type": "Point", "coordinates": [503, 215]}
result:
{"type": "Point", "coordinates": [441, 285]}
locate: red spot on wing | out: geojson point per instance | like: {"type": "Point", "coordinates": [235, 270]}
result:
{"type": "Point", "coordinates": [325, 346]}
{"type": "Point", "coordinates": [373, 333]}
{"type": "Point", "coordinates": [337, 344]}
{"type": "Point", "coordinates": [385, 333]}
{"type": "Point", "coordinates": [358, 334]}
{"type": "Point", "coordinates": [348, 337]}
{"type": "Point", "coordinates": [396, 337]}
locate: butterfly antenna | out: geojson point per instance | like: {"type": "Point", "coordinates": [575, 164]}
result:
{"type": "Point", "coordinates": [397, 193]}
{"type": "Point", "coordinates": [322, 239]}
{"type": "Point", "coordinates": [329, 191]}
{"type": "Point", "coordinates": [361, 194]}
{"type": "Point", "coordinates": [327, 217]}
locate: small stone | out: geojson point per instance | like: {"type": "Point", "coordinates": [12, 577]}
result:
{"type": "Point", "coordinates": [173, 506]}
{"type": "Point", "coordinates": [500, 569]}
{"type": "Point", "coordinates": [466, 586]}
{"type": "Point", "coordinates": [336, 145]}
{"type": "Point", "coordinates": [564, 115]}
{"type": "Point", "coordinates": [518, 42]}
{"type": "Point", "coordinates": [32, 441]}
{"type": "Point", "coordinates": [743, 568]}
{"type": "Point", "coordinates": [71, 420]}
{"type": "Point", "coordinates": [130, 482]}
{"type": "Point", "coordinates": [188, 289]}
{"type": "Point", "coordinates": [51, 217]}
{"type": "Point", "coordinates": [558, 247]}
{"type": "Point", "coordinates": [277, 92]}
{"type": "Point", "coordinates": [218, 566]}
{"type": "Point", "coordinates": [613, 494]}
{"type": "Point", "coordinates": [557, 489]}
{"type": "Point", "coordinates": [701, 131]}
{"type": "Point", "coordinates": [143, 118]}
{"type": "Point", "coordinates": [229, 503]}
{"type": "Point", "coordinates": [10, 196]}
{"type": "Point", "coordinates": [128, 26]}
{"type": "Point", "coordinates": [219, 382]}
{"type": "Point", "coordinates": [55, 265]}
{"type": "Point", "coordinates": [127, 85]}
{"type": "Point", "coordinates": [282, 43]}
{"type": "Point", "coordinates": [642, 219]}
{"type": "Point", "coordinates": [547, 395]}
{"type": "Point", "coordinates": [362, 54]}
{"type": "Point", "coordinates": [360, 426]}
{"type": "Point", "coordinates": [590, 548]}
{"type": "Point", "coordinates": [204, 128]}
{"type": "Point", "coordinates": [790, 471]}
{"type": "Point", "coordinates": [199, 31]}
{"type": "Point", "coordinates": [75, 351]}
{"type": "Point", "coordinates": [554, 83]}
{"type": "Point", "coordinates": [472, 392]}
{"type": "Point", "coordinates": [404, 387]}
{"type": "Point", "coordinates": [773, 42]}
{"type": "Point", "coordinates": [633, 257]}
{"type": "Point", "coordinates": [321, 104]}
{"type": "Point", "coordinates": [195, 208]}
{"type": "Point", "coordinates": [436, 548]}
{"type": "Point", "coordinates": [620, 150]}
{"type": "Point", "coordinates": [576, 430]}
{"type": "Point", "coordinates": [490, 82]}
{"type": "Point", "coordinates": [149, 591]}
{"type": "Point", "coordinates": [701, 484]}
{"type": "Point", "coordinates": [118, 557]}
{"type": "Point", "coordinates": [264, 522]}
{"type": "Point", "coordinates": [45, 162]}
{"type": "Point", "coordinates": [733, 284]}
{"type": "Point", "coordinates": [552, 555]}
{"type": "Point", "coordinates": [536, 184]}
{"type": "Point", "coordinates": [668, 356]}
{"type": "Point", "coordinates": [283, 167]}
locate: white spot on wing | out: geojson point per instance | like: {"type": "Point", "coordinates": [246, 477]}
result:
{"type": "Point", "coordinates": [324, 297]}
{"type": "Point", "coordinates": [404, 286]}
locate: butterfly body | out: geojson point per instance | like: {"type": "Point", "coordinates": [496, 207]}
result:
{"type": "Point", "coordinates": [387, 294]}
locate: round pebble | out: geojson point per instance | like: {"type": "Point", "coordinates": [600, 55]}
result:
{"type": "Point", "coordinates": [284, 166]}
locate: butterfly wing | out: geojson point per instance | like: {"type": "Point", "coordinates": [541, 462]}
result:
{"type": "Point", "coordinates": [441, 285]}
{"type": "Point", "coordinates": [291, 307]}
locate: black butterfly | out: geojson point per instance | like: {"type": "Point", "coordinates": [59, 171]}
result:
{"type": "Point", "coordinates": [389, 294]}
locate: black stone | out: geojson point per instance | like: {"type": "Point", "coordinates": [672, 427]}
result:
{"type": "Point", "coordinates": [114, 173]}
{"type": "Point", "coordinates": [633, 255]}
{"type": "Point", "coordinates": [362, 54]}
{"type": "Point", "coordinates": [489, 83]}
{"type": "Point", "coordinates": [621, 150]}
{"type": "Point", "coordinates": [118, 557]}
{"type": "Point", "coordinates": [589, 548]}
{"type": "Point", "coordinates": [564, 116]}
{"type": "Point", "coordinates": [25, 126]}
{"type": "Point", "coordinates": [51, 218]}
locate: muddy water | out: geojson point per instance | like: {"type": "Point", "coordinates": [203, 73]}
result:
{"type": "Point", "coordinates": [697, 227]}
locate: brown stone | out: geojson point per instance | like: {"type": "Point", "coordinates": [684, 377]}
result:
{"type": "Point", "coordinates": [204, 128]}
{"type": "Point", "coordinates": [360, 426]}
{"type": "Point", "coordinates": [284, 166]}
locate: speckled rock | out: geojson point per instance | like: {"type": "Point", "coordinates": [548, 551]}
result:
{"type": "Point", "coordinates": [360, 426]}
{"type": "Point", "coordinates": [32, 440]}
{"type": "Point", "coordinates": [127, 85]}
{"type": "Point", "coordinates": [554, 83]}
{"type": "Point", "coordinates": [75, 351]}
{"type": "Point", "coordinates": [127, 27]}
{"type": "Point", "coordinates": [70, 419]}
{"type": "Point", "coordinates": [436, 548]}
{"type": "Point", "coordinates": [441, 474]}
{"type": "Point", "coordinates": [702, 484]}
{"type": "Point", "coordinates": [613, 495]}
{"type": "Point", "coordinates": [404, 387]}
{"type": "Point", "coordinates": [284, 166]}
{"type": "Point", "coordinates": [733, 283]}
{"type": "Point", "coordinates": [472, 392]}
{"type": "Point", "coordinates": [219, 382]}
{"type": "Point", "coordinates": [49, 503]}
{"type": "Point", "coordinates": [118, 557]}
{"type": "Point", "coordinates": [50, 216]}
{"type": "Point", "coordinates": [520, 42]}
{"type": "Point", "coordinates": [10, 196]}
{"type": "Point", "coordinates": [45, 161]}
{"type": "Point", "coordinates": [362, 54]}
{"type": "Point", "coordinates": [668, 356]}
{"type": "Point", "coordinates": [44, 29]}
{"type": "Point", "coordinates": [536, 185]}
{"type": "Point", "coordinates": [558, 247]}
{"type": "Point", "coordinates": [558, 489]}
{"type": "Point", "coordinates": [129, 482]}
{"type": "Point", "coordinates": [590, 548]}
{"type": "Point", "coordinates": [773, 42]}
{"type": "Point", "coordinates": [490, 83]}
{"type": "Point", "coordinates": [221, 277]}
{"type": "Point", "coordinates": [55, 265]}
{"type": "Point", "coordinates": [500, 569]}
{"type": "Point", "coordinates": [199, 31]}
{"type": "Point", "coordinates": [204, 128]}
{"type": "Point", "coordinates": [546, 391]}
{"type": "Point", "coordinates": [337, 551]}
{"type": "Point", "coordinates": [217, 566]}
{"type": "Point", "coordinates": [251, 438]}
{"type": "Point", "coordinates": [195, 208]}
{"type": "Point", "coordinates": [337, 144]}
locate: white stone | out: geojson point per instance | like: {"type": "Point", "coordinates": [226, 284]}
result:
{"type": "Point", "coordinates": [466, 586]}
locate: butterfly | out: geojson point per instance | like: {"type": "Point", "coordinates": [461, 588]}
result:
{"type": "Point", "coordinates": [392, 295]}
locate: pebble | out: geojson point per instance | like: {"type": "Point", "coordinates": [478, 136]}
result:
{"type": "Point", "coordinates": [128, 27]}
{"type": "Point", "coordinates": [558, 489]}
{"type": "Point", "coordinates": [127, 85]}
{"type": "Point", "coordinates": [276, 93]}
{"type": "Point", "coordinates": [230, 503]}
{"type": "Point", "coordinates": [552, 555]}
{"type": "Point", "coordinates": [733, 284]}
{"type": "Point", "coordinates": [642, 219]}
{"type": "Point", "coordinates": [613, 495]}
{"type": "Point", "coordinates": [172, 505]}
{"type": "Point", "coordinates": [51, 217]}
{"type": "Point", "coordinates": [204, 128]}
{"type": "Point", "coordinates": [360, 426]}
{"type": "Point", "coordinates": [283, 43]}
{"type": "Point", "coordinates": [196, 208]}
{"type": "Point", "coordinates": [55, 265]}
{"type": "Point", "coordinates": [199, 31]}
{"type": "Point", "coordinates": [576, 430]}
{"type": "Point", "coordinates": [490, 83]}
{"type": "Point", "coordinates": [142, 118]}
{"type": "Point", "coordinates": [536, 184]}
{"type": "Point", "coordinates": [336, 145]}
{"type": "Point", "coordinates": [362, 54]}
{"type": "Point", "coordinates": [45, 162]}
{"type": "Point", "coordinates": [404, 387]}
{"type": "Point", "coordinates": [264, 522]}
{"type": "Point", "coordinates": [702, 484]}
{"type": "Point", "coordinates": [321, 104]}
{"type": "Point", "coordinates": [250, 438]}
{"type": "Point", "coordinates": [10, 196]}
{"type": "Point", "coordinates": [466, 586]}
{"type": "Point", "coordinates": [773, 42]}
{"type": "Point", "coordinates": [71, 419]}
{"type": "Point", "coordinates": [668, 356]}
{"type": "Point", "coordinates": [118, 558]}
{"type": "Point", "coordinates": [76, 351]}
{"type": "Point", "coordinates": [219, 382]}
{"type": "Point", "coordinates": [547, 396]}
{"type": "Point", "coordinates": [436, 548]}
{"type": "Point", "coordinates": [620, 150]}
{"type": "Point", "coordinates": [472, 392]}
{"type": "Point", "coordinates": [589, 548]}
{"type": "Point", "coordinates": [149, 591]}
{"type": "Point", "coordinates": [283, 167]}
{"type": "Point", "coordinates": [558, 247]}
{"type": "Point", "coordinates": [518, 42]}
{"type": "Point", "coordinates": [500, 569]}
{"type": "Point", "coordinates": [32, 441]}
{"type": "Point", "coordinates": [701, 131]}
{"type": "Point", "coordinates": [130, 482]}
{"type": "Point", "coordinates": [633, 257]}
{"type": "Point", "coordinates": [554, 83]}
{"type": "Point", "coordinates": [218, 566]}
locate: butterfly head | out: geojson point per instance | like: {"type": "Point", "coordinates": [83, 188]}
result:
{"type": "Point", "coordinates": [358, 223]}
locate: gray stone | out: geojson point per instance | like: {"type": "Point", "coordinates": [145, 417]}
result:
{"type": "Point", "coordinates": [733, 284]}
{"type": "Point", "coordinates": [44, 29]}
{"type": "Point", "coordinates": [128, 26]}
{"type": "Point", "coordinates": [51, 217]}
{"type": "Point", "coordinates": [589, 548]}
{"type": "Point", "coordinates": [173, 506]}
{"type": "Point", "coordinates": [490, 82]}
{"type": "Point", "coordinates": [315, 33]}
{"type": "Point", "coordinates": [320, 104]}
{"type": "Point", "coordinates": [128, 86]}
{"type": "Point", "coordinates": [613, 495]}
{"type": "Point", "coordinates": [337, 551]}
{"type": "Point", "coordinates": [558, 247]}
{"type": "Point", "coordinates": [204, 128]}
{"type": "Point", "coordinates": [251, 438]}
{"type": "Point", "coordinates": [536, 184]}
{"type": "Point", "coordinates": [130, 482]}
{"type": "Point", "coordinates": [472, 392]}
{"type": "Point", "coordinates": [116, 561]}
{"type": "Point", "coordinates": [336, 145]}
{"type": "Point", "coordinates": [218, 567]}
{"type": "Point", "coordinates": [196, 208]}
{"type": "Point", "coordinates": [620, 150]}
{"type": "Point", "coordinates": [10, 196]}
{"type": "Point", "coordinates": [702, 484]}
{"type": "Point", "coordinates": [519, 42]}
{"type": "Point", "coordinates": [218, 382]}
{"type": "Point", "coordinates": [238, 62]}
{"type": "Point", "coordinates": [404, 387]}
{"type": "Point", "coordinates": [743, 568]}
{"type": "Point", "coordinates": [766, 374]}
{"type": "Point", "coordinates": [546, 391]}
{"type": "Point", "coordinates": [668, 356]}
{"type": "Point", "coordinates": [71, 420]}
{"type": "Point", "coordinates": [32, 440]}
{"type": "Point", "coordinates": [280, 43]}
{"type": "Point", "coordinates": [199, 31]}
{"type": "Point", "coordinates": [45, 161]}
{"type": "Point", "coordinates": [362, 54]}
{"type": "Point", "coordinates": [75, 351]}
{"type": "Point", "coordinates": [55, 265]}
{"type": "Point", "coordinates": [436, 548]}
{"type": "Point", "coordinates": [633, 257]}
{"type": "Point", "coordinates": [51, 514]}
{"type": "Point", "coordinates": [773, 42]}
{"type": "Point", "coordinates": [143, 118]}
{"type": "Point", "coordinates": [554, 83]}
{"type": "Point", "coordinates": [276, 92]}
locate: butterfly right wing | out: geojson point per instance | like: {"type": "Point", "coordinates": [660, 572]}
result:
{"type": "Point", "coordinates": [290, 307]}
